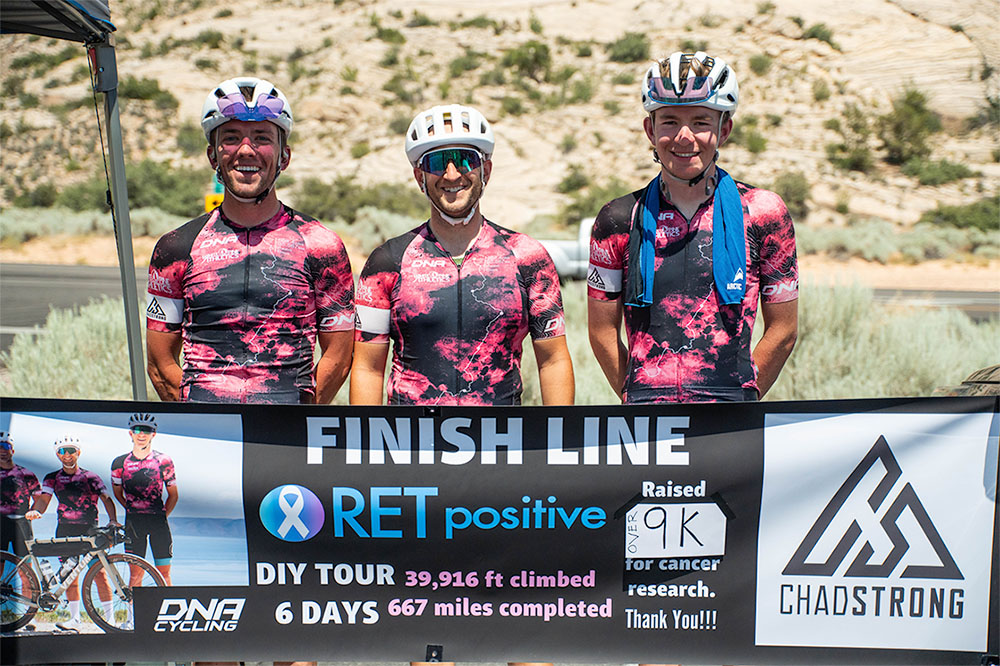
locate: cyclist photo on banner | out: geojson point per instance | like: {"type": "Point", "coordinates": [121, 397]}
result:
{"type": "Point", "coordinates": [19, 493]}
{"type": "Point", "coordinates": [457, 295]}
{"type": "Point", "coordinates": [78, 491]}
{"type": "Point", "coordinates": [684, 261]}
{"type": "Point", "coordinates": [248, 289]}
{"type": "Point", "coordinates": [139, 480]}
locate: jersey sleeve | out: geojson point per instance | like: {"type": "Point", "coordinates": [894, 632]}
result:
{"type": "Point", "coordinates": [333, 282]}
{"type": "Point", "coordinates": [167, 268]}
{"type": "Point", "coordinates": [373, 301]}
{"type": "Point", "coordinates": [608, 243]}
{"type": "Point", "coordinates": [48, 484]}
{"type": "Point", "coordinates": [97, 484]}
{"type": "Point", "coordinates": [774, 235]}
{"type": "Point", "coordinates": [31, 483]}
{"type": "Point", "coordinates": [117, 469]}
{"type": "Point", "coordinates": [541, 280]}
{"type": "Point", "coordinates": [167, 472]}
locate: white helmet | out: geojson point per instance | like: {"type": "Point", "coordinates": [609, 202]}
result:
{"type": "Point", "coordinates": [67, 441]}
{"type": "Point", "coordinates": [228, 101]}
{"type": "Point", "coordinates": [708, 82]}
{"type": "Point", "coordinates": [448, 125]}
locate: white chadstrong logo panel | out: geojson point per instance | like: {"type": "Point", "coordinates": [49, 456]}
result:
{"type": "Point", "coordinates": [876, 531]}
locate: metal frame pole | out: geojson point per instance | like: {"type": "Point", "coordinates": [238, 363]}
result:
{"type": "Point", "coordinates": [106, 76]}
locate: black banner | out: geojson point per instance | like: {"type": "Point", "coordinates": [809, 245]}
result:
{"type": "Point", "coordinates": [849, 531]}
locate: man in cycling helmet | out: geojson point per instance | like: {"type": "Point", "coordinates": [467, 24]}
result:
{"type": "Point", "coordinates": [19, 493]}
{"type": "Point", "coordinates": [138, 480]}
{"type": "Point", "coordinates": [458, 294]}
{"type": "Point", "coordinates": [246, 290]}
{"type": "Point", "coordinates": [78, 490]}
{"type": "Point", "coordinates": [685, 260]}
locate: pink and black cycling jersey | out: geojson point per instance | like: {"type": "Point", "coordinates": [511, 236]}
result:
{"type": "Point", "coordinates": [457, 327]}
{"type": "Point", "coordinates": [17, 486]}
{"type": "Point", "coordinates": [249, 302]}
{"type": "Point", "coordinates": [688, 346]}
{"type": "Point", "coordinates": [143, 481]}
{"type": "Point", "coordinates": [77, 494]}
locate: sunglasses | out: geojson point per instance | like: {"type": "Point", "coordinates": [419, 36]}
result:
{"type": "Point", "coordinates": [465, 160]}
{"type": "Point", "coordinates": [695, 89]}
{"type": "Point", "coordinates": [234, 106]}
{"type": "Point", "coordinates": [6, 446]}
{"type": "Point", "coordinates": [146, 429]}
{"type": "Point", "coordinates": [67, 450]}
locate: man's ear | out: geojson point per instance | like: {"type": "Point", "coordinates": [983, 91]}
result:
{"type": "Point", "coordinates": [418, 175]}
{"type": "Point", "coordinates": [210, 151]}
{"type": "Point", "coordinates": [286, 157]}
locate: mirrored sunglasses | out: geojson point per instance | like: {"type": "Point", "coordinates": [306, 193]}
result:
{"type": "Point", "coordinates": [696, 89]}
{"type": "Point", "coordinates": [142, 428]}
{"type": "Point", "coordinates": [234, 106]}
{"type": "Point", "coordinates": [67, 449]}
{"type": "Point", "coordinates": [465, 160]}
{"type": "Point", "coordinates": [6, 446]}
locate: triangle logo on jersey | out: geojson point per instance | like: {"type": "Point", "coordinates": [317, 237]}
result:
{"type": "Point", "coordinates": [890, 508]}
{"type": "Point", "coordinates": [594, 279]}
{"type": "Point", "coordinates": [154, 311]}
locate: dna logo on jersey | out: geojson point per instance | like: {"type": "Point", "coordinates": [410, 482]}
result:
{"type": "Point", "coordinates": [866, 531]}
{"type": "Point", "coordinates": [292, 513]}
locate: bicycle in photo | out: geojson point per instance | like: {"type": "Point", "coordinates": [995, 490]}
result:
{"type": "Point", "coordinates": [27, 584]}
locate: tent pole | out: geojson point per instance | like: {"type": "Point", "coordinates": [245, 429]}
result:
{"type": "Point", "coordinates": [106, 69]}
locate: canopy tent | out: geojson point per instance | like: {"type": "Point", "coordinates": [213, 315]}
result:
{"type": "Point", "coordinates": [88, 22]}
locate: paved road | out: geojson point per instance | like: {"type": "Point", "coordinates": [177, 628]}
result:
{"type": "Point", "coordinates": [28, 291]}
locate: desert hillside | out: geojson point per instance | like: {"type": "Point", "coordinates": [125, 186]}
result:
{"type": "Point", "coordinates": [357, 69]}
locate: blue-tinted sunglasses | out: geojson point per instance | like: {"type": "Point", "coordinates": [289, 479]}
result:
{"type": "Point", "coordinates": [465, 160]}
{"type": "Point", "coordinates": [67, 449]}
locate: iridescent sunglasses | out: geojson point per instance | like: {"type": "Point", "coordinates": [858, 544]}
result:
{"type": "Point", "coordinates": [67, 449]}
{"type": "Point", "coordinates": [234, 106]}
{"type": "Point", "coordinates": [143, 428]}
{"type": "Point", "coordinates": [465, 160]}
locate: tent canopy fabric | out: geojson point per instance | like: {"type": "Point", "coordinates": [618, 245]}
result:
{"type": "Point", "coordinates": [85, 21]}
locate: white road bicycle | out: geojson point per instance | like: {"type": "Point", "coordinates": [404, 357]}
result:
{"type": "Point", "coordinates": [25, 588]}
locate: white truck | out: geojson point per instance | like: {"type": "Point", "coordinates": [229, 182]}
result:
{"type": "Point", "coordinates": [571, 257]}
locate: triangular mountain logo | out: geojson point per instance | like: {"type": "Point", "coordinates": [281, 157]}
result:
{"type": "Point", "coordinates": [154, 311]}
{"type": "Point", "coordinates": [595, 279]}
{"type": "Point", "coordinates": [906, 498]}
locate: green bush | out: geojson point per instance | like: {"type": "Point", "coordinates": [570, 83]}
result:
{"type": "Point", "coordinates": [793, 188]}
{"type": "Point", "coordinates": [43, 196]}
{"type": "Point", "coordinates": [130, 87]}
{"type": "Point", "coordinates": [766, 7]}
{"type": "Point", "coordinates": [420, 20]}
{"type": "Point", "coordinates": [575, 180]}
{"type": "Point", "coordinates": [588, 203]}
{"type": "Point", "coordinates": [904, 131]}
{"type": "Point", "coordinates": [512, 106]}
{"type": "Point", "coordinates": [760, 63]}
{"type": "Point", "coordinates": [820, 90]}
{"type": "Point", "coordinates": [23, 224]}
{"type": "Point", "coordinates": [988, 114]}
{"type": "Point", "coordinates": [535, 25]}
{"type": "Point", "coordinates": [390, 35]}
{"type": "Point", "coordinates": [213, 39]}
{"type": "Point", "coordinates": [344, 197]}
{"type": "Point", "coordinates": [150, 185]}
{"type": "Point", "coordinates": [928, 172]}
{"type": "Point", "coordinates": [982, 214]}
{"type": "Point", "coordinates": [531, 59]}
{"type": "Point", "coordinates": [822, 33]}
{"type": "Point", "coordinates": [852, 153]}
{"type": "Point", "coordinates": [467, 62]}
{"type": "Point", "coordinates": [191, 139]}
{"type": "Point", "coordinates": [360, 149]}
{"type": "Point", "coordinates": [907, 352]}
{"type": "Point", "coordinates": [630, 47]}
{"type": "Point", "coordinates": [43, 62]}
{"type": "Point", "coordinates": [694, 45]}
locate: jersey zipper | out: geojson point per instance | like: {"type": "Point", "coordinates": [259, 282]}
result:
{"type": "Point", "coordinates": [246, 293]}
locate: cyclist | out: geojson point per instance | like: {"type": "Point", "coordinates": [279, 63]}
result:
{"type": "Point", "coordinates": [19, 493]}
{"type": "Point", "coordinates": [138, 480]}
{"type": "Point", "coordinates": [247, 289]}
{"type": "Point", "coordinates": [684, 260]}
{"type": "Point", "coordinates": [458, 294]}
{"type": "Point", "coordinates": [78, 491]}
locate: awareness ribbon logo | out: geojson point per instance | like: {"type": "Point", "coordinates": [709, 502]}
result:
{"type": "Point", "coordinates": [292, 513]}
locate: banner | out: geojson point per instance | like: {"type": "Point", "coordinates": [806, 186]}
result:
{"type": "Point", "coordinates": [860, 531]}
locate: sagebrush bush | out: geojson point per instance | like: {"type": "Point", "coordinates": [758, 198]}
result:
{"type": "Point", "coordinates": [343, 198]}
{"type": "Point", "coordinates": [630, 47]}
{"type": "Point", "coordinates": [793, 188]}
{"type": "Point", "coordinates": [930, 172]}
{"type": "Point", "coordinates": [531, 59]}
{"type": "Point", "coordinates": [983, 214]}
{"type": "Point", "coordinates": [850, 347]}
{"type": "Point", "coordinates": [18, 225]}
{"type": "Point", "coordinates": [904, 131]}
